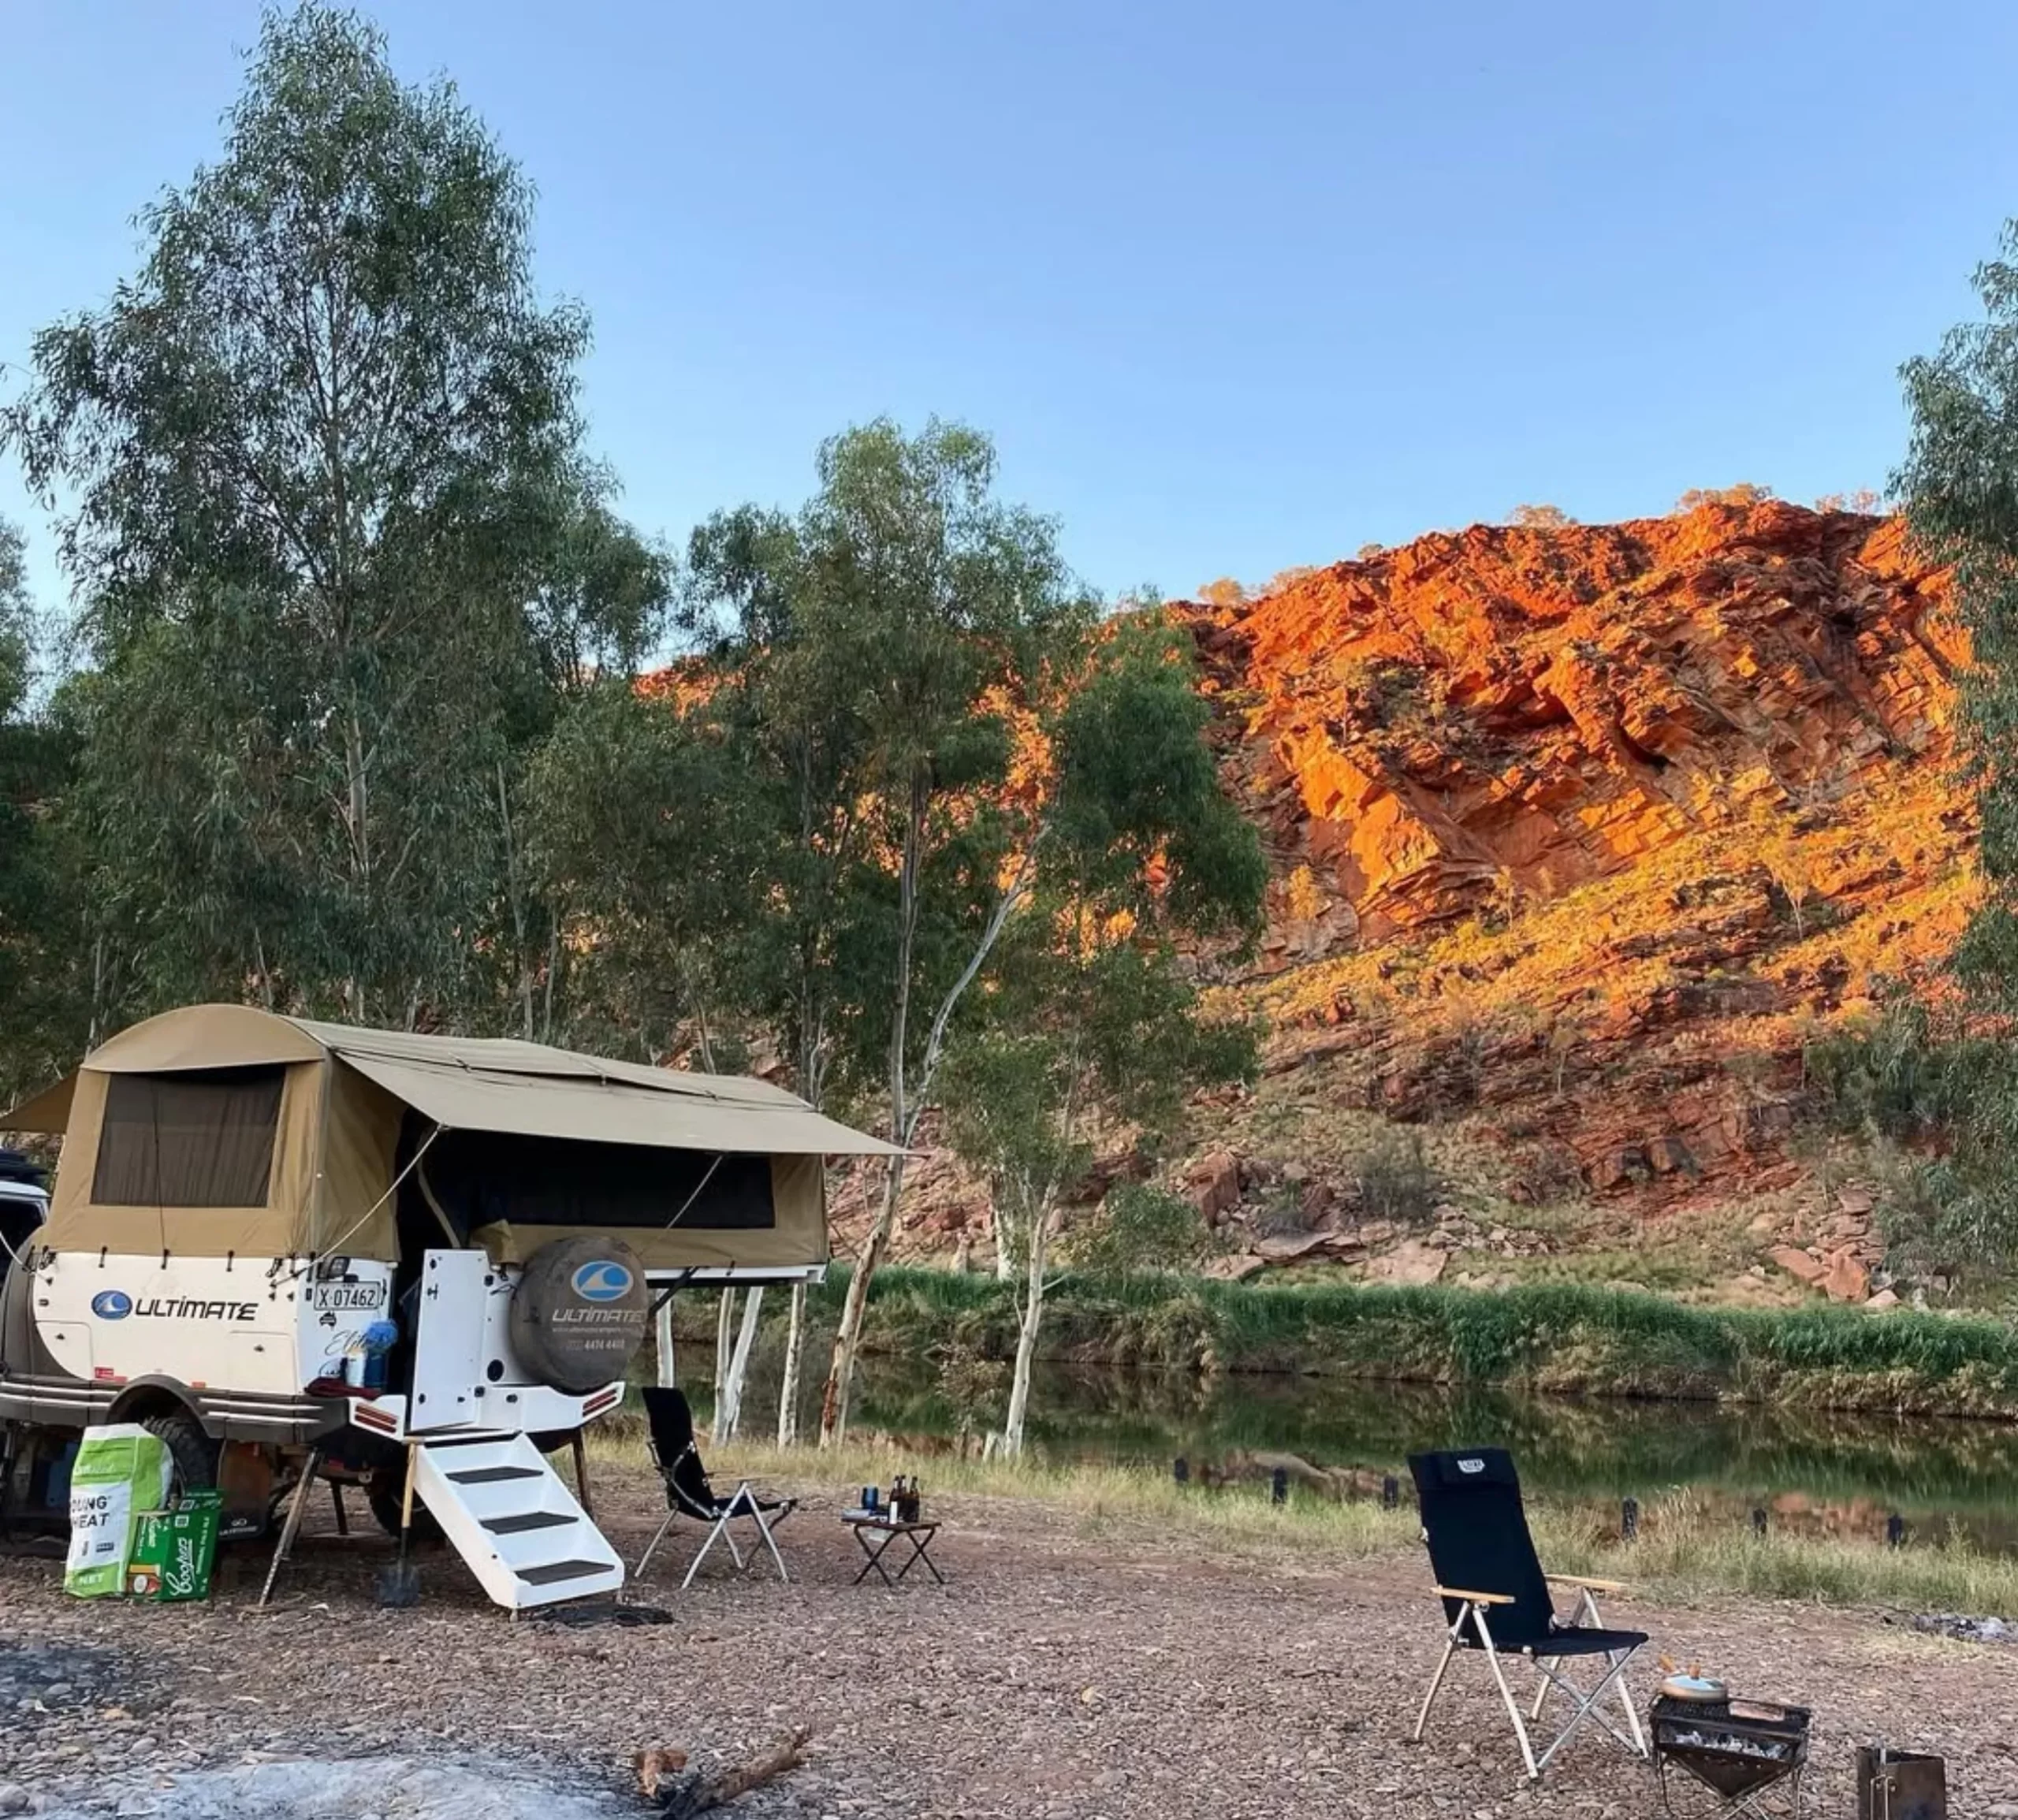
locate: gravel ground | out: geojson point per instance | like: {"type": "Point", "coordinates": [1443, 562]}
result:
{"type": "Point", "coordinates": [1065, 1672]}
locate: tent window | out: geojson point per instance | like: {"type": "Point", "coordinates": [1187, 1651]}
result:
{"type": "Point", "coordinates": [482, 1176]}
{"type": "Point", "coordinates": [197, 1137]}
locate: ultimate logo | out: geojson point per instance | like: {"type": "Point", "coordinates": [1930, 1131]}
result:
{"type": "Point", "coordinates": [116, 1306]}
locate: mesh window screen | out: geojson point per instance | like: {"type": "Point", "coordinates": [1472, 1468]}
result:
{"type": "Point", "coordinates": [194, 1138]}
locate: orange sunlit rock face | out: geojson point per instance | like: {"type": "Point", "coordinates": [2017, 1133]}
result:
{"type": "Point", "coordinates": [1522, 709]}
{"type": "Point", "coordinates": [1581, 834]}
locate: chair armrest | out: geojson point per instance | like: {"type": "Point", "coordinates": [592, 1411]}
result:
{"type": "Point", "coordinates": [1586, 1582]}
{"type": "Point", "coordinates": [1475, 1597]}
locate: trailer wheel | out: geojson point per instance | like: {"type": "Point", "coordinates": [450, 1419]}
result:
{"type": "Point", "coordinates": [384, 1491]}
{"type": "Point", "coordinates": [192, 1455]}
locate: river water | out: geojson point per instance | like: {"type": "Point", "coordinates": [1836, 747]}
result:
{"type": "Point", "coordinates": [1814, 1469]}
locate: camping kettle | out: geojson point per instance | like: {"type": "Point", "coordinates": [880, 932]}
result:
{"type": "Point", "coordinates": [1900, 1785]}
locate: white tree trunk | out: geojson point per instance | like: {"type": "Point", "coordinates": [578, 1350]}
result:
{"type": "Point", "coordinates": [794, 1348]}
{"type": "Point", "coordinates": [908, 1098]}
{"type": "Point", "coordinates": [724, 1345]}
{"type": "Point", "coordinates": [728, 1400]}
{"type": "Point", "coordinates": [1032, 1319]}
{"type": "Point", "coordinates": [1004, 1224]}
{"type": "Point", "coordinates": [662, 1330]}
{"type": "Point", "coordinates": [847, 1341]}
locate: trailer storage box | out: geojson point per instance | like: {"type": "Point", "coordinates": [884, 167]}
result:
{"type": "Point", "coordinates": [119, 1471]}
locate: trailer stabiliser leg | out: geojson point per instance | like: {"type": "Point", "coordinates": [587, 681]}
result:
{"type": "Point", "coordinates": [291, 1527]}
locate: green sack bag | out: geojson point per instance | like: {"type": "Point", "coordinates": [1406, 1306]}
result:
{"type": "Point", "coordinates": [120, 1471]}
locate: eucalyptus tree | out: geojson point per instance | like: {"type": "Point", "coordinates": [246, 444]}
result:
{"type": "Point", "coordinates": [326, 507]}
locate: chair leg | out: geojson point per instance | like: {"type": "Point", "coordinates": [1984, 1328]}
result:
{"type": "Point", "coordinates": [744, 1503]}
{"type": "Point", "coordinates": [1436, 1684]}
{"type": "Point", "coordinates": [1541, 1692]}
{"type": "Point", "coordinates": [1500, 1677]}
{"type": "Point", "coordinates": [714, 1535]}
{"type": "Point", "coordinates": [1590, 1614]}
{"type": "Point", "coordinates": [1632, 1712]}
{"type": "Point", "coordinates": [1512, 1706]}
{"type": "Point", "coordinates": [1587, 1705]}
{"type": "Point", "coordinates": [764, 1530]}
{"type": "Point", "coordinates": [658, 1535]}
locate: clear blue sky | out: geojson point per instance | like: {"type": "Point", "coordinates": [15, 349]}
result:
{"type": "Point", "coordinates": [1235, 287]}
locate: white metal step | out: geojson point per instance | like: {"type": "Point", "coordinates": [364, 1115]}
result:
{"type": "Point", "coordinates": [509, 1515]}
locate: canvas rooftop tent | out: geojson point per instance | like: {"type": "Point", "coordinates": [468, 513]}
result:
{"type": "Point", "coordinates": [224, 1129]}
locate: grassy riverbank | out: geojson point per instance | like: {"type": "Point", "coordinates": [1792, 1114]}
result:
{"type": "Point", "coordinates": [1687, 1547]}
{"type": "Point", "coordinates": [1564, 1338]}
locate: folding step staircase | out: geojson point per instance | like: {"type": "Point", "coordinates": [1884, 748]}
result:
{"type": "Point", "coordinates": [507, 1513]}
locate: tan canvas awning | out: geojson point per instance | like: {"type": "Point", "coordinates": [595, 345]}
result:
{"type": "Point", "coordinates": [48, 1112]}
{"type": "Point", "coordinates": [332, 1176]}
{"type": "Point", "coordinates": [597, 1111]}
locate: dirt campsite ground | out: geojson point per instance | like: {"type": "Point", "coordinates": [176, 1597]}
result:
{"type": "Point", "coordinates": [1068, 1670]}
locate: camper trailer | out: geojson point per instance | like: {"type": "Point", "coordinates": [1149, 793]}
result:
{"type": "Point", "coordinates": [292, 1248]}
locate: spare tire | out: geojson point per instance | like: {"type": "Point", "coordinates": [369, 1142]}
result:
{"type": "Point", "coordinates": [579, 1313]}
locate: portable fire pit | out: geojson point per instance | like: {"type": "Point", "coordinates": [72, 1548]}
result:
{"type": "Point", "coordinates": [1736, 1749]}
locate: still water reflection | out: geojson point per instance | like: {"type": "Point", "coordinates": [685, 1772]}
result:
{"type": "Point", "coordinates": [1809, 1468]}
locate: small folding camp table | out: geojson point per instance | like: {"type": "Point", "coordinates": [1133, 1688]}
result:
{"type": "Point", "coordinates": [868, 1525]}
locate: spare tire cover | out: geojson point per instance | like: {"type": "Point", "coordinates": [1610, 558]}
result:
{"type": "Point", "coordinates": [579, 1313]}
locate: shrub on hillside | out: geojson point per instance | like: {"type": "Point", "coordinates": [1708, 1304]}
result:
{"type": "Point", "coordinates": [1746, 492]}
{"type": "Point", "coordinates": [1894, 1074]}
{"type": "Point", "coordinates": [1139, 1228]}
{"type": "Point", "coordinates": [1396, 1179]}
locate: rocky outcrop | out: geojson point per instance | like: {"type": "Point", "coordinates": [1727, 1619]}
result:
{"type": "Point", "coordinates": [1513, 711]}
{"type": "Point", "coordinates": [1578, 830]}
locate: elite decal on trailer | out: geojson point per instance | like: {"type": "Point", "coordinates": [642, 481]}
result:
{"type": "Point", "coordinates": [112, 1305]}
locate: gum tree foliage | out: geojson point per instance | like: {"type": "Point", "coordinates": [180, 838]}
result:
{"type": "Point", "coordinates": [1091, 1014]}
{"type": "Point", "coordinates": [338, 552]}
{"type": "Point", "coordinates": [36, 975]}
{"type": "Point", "coordinates": [1959, 487]}
{"type": "Point", "coordinates": [642, 821]}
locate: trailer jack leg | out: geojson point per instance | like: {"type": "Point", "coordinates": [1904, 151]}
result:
{"type": "Point", "coordinates": [291, 1527]}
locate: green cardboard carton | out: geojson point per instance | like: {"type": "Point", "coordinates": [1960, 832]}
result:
{"type": "Point", "coordinates": [120, 1471]}
{"type": "Point", "coordinates": [175, 1548]}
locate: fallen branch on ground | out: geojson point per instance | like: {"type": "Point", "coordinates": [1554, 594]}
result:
{"type": "Point", "coordinates": [664, 1778]}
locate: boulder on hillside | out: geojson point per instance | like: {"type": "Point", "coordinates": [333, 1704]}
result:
{"type": "Point", "coordinates": [1798, 1263]}
{"type": "Point", "coordinates": [1212, 1184]}
{"type": "Point", "coordinates": [1847, 1280]}
{"type": "Point", "coordinates": [1411, 1261]}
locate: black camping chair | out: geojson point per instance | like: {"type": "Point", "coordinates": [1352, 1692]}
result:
{"type": "Point", "coordinates": [688, 1492]}
{"type": "Point", "coordinates": [1496, 1597]}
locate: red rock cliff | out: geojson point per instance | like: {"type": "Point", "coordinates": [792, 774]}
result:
{"type": "Point", "coordinates": [1580, 834]}
{"type": "Point", "coordinates": [1525, 710]}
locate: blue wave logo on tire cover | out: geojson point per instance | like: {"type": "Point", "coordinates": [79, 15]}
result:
{"type": "Point", "coordinates": [603, 1281]}
{"type": "Point", "coordinates": [112, 1305]}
